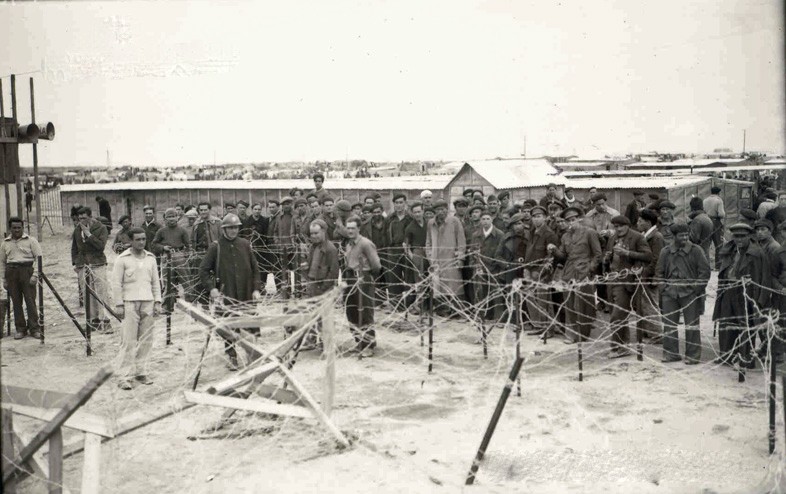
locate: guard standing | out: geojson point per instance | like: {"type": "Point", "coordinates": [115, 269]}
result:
{"type": "Point", "coordinates": [18, 255]}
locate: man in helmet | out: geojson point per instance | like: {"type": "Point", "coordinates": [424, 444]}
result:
{"type": "Point", "coordinates": [230, 270]}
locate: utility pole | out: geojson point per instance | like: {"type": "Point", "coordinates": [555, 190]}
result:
{"type": "Point", "coordinates": [743, 140]}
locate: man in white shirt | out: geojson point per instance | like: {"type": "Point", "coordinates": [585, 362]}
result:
{"type": "Point", "coordinates": [137, 290]}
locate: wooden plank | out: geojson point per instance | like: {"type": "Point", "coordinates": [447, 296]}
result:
{"type": "Point", "coordinates": [8, 451]}
{"type": "Point", "coordinates": [315, 408]}
{"type": "Point", "coordinates": [329, 346]}
{"type": "Point", "coordinates": [276, 393]}
{"type": "Point", "coordinates": [56, 462]}
{"type": "Point", "coordinates": [92, 464]}
{"type": "Point", "coordinates": [81, 421]}
{"type": "Point", "coordinates": [271, 321]}
{"type": "Point", "coordinates": [42, 398]}
{"type": "Point", "coordinates": [256, 405]}
{"type": "Point", "coordinates": [53, 425]}
{"type": "Point", "coordinates": [37, 464]}
{"type": "Point", "coordinates": [198, 314]}
{"type": "Point", "coordinates": [236, 380]}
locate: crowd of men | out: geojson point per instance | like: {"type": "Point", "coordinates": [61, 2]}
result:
{"type": "Point", "coordinates": [568, 259]}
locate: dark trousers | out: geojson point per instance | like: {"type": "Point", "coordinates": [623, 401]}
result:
{"type": "Point", "coordinates": [622, 296]}
{"type": "Point", "coordinates": [580, 312]}
{"type": "Point", "coordinates": [19, 289]}
{"type": "Point", "coordinates": [691, 308]}
{"type": "Point", "coordinates": [358, 297]}
{"type": "Point", "coordinates": [717, 239]}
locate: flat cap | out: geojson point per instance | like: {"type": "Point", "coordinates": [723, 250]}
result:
{"type": "Point", "coordinates": [654, 196]}
{"type": "Point", "coordinates": [765, 223]}
{"type": "Point", "coordinates": [286, 199]}
{"type": "Point", "coordinates": [598, 196]}
{"type": "Point", "coordinates": [481, 207]}
{"type": "Point", "coordinates": [343, 205]}
{"type": "Point", "coordinates": [460, 202]}
{"type": "Point", "coordinates": [514, 219]}
{"type": "Point", "coordinates": [741, 229]}
{"type": "Point", "coordinates": [126, 217]}
{"type": "Point", "coordinates": [299, 201]}
{"type": "Point", "coordinates": [242, 202]}
{"type": "Point", "coordinates": [440, 203]}
{"type": "Point", "coordinates": [571, 211]}
{"type": "Point", "coordinates": [191, 213]}
{"type": "Point", "coordinates": [666, 205]}
{"type": "Point", "coordinates": [678, 228]}
{"type": "Point", "coordinates": [620, 220]}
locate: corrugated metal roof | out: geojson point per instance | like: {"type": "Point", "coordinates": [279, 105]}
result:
{"type": "Point", "coordinates": [678, 171]}
{"type": "Point", "coordinates": [615, 182]}
{"type": "Point", "coordinates": [415, 182]}
{"type": "Point", "coordinates": [686, 163]}
{"type": "Point", "coordinates": [516, 173]}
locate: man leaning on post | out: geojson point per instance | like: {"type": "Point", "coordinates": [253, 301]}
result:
{"type": "Point", "coordinates": [137, 291]}
{"type": "Point", "coordinates": [18, 254]}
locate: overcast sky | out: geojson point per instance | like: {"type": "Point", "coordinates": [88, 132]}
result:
{"type": "Point", "coordinates": [180, 82]}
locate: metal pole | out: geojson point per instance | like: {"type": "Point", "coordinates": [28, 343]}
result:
{"type": "Point", "coordinates": [41, 297]}
{"type": "Point", "coordinates": [3, 163]}
{"type": "Point", "coordinates": [17, 177]}
{"type": "Point", "coordinates": [519, 322]}
{"type": "Point", "coordinates": [38, 224]}
{"type": "Point", "coordinates": [581, 361]}
{"type": "Point", "coordinates": [503, 399]}
{"type": "Point", "coordinates": [430, 328]}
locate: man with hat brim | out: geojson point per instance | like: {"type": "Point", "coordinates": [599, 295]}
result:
{"type": "Point", "coordinates": [122, 238]}
{"type": "Point", "coordinates": [554, 211]}
{"type": "Point", "coordinates": [493, 207]}
{"type": "Point", "coordinates": [713, 206]}
{"type": "Point", "coordinates": [666, 219]}
{"type": "Point", "coordinates": [320, 269]}
{"type": "Point", "coordinates": [736, 302]}
{"type": "Point", "coordinates": [398, 265]}
{"type": "Point", "coordinates": [654, 201]}
{"type": "Point", "coordinates": [482, 252]}
{"type": "Point", "coordinates": [626, 250]}
{"type": "Point", "coordinates": [242, 210]}
{"type": "Point", "coordinates": [468, 193]}
{"type": "Point", "coordinates": [684, 271]}
{"type": "Point", "coordinates": [255, 230]}
{"type": "Point", "coordinates": [581, 253]}
{"type": "Point", "coordinates": [172, 245]}
{"type": "Point", "coordinates": [445, 248]}
{"type": "Point", "coordinates": [551, 195]}
{"type": "Point", "coordinates": [700, 226]}
{"type": "Point", "coordinates": [471, 227]}
{"type": "Point", "coordinates": [510, 255]}
{"type": "Point", "coordinates": [538, 270]}
{"type": "Point", "coordinates": [648, 297]}
{"type": "Point", "coordinates": [599, 218]}
{"type": "Point", "coordinates": [284, 241]}
{"type": "Point", "coordinates": [229, 272]}
{"type": "Point", "coordinates": [300, 236]}
{"type": "Point", "coordinates": [188, 222]}
{"type": "Point", "coordinates": [635, 206]}
{"type": "Point", "coordinates": [376, 231]}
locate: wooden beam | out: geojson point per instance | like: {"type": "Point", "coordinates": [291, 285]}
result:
{"type": "Point", "coordinates": [31, 397]}
{"type": "Point", "coordinates": [53, 425]}
{"type": "Point", "coordinates": [56, 462]}
{"type": "Point", "coordinates": [277, 393]}
{"type": "Point", "coordinates": [81, 421]}
{"type": "Point", "coordinates": [236, 380]}
{"type": "Point", "coordinates": [315, 408]}
{"type": "Point", "coordinates": [91, 467]}
{"type": "Point", "coordinates": [329, 346]}
{"type": "Point", "coordinates": [256, 405]}
{"type": "Point", "coordinates": [8, 451]}
{"type": "Point", "coordinates": [271, 321]}
{"type": "Point", "coordinates": [37, 463]}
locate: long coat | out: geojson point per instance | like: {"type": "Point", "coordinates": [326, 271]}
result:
{"type": "Point", "coordinates": [445, 246]}
{"type": "Point", "coordinates": [230, 267]}
{"type": "Point", "coordinates": [730, 302]}
{"type": "Point", "coordinates": [581, 253]}
{"type": "Point", "coordinates": [322, 268]}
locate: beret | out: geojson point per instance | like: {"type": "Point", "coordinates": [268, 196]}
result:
{"type": "Point", "coordinates": [571, 211]}
{"type": "Point", "coordinates": [667, 205]}
{"type": "Point", "coordinates": [741, 229]}
{"type": "Point", "coordinates": [343, 205]}
{"type": "Point", "coordinates": [298, 202]}
{"type": "Point", "coordinates": [191, 213]}
{"type": "Point", "coordinates": [649, 215]}
{"type": "Point", "coordinates": [678, 228]}
{"type": "Point", "coordinates": [504, 194]}
{"type": "Point", "coordinates": [126, 217]}
{"type": "Point", "coordinates": [477, 206]}
{"type": "Point", "coordinates": [286, 199]}
{"type": "Point", "coordinates": [460, 202]}
{"type": "Point", "coordinates": [749, 214]}
{"type": "Point", "coordinates": [398, 196]}
{"type": "Point", "coordinates": [764, 223]}
{"type": "Point", "coordinates": [244, 203]}
{"type": "Point", "coordinates": [440, 204]}
{"type": "Point", "coordinates": [539, 209]}
{"type": "Point", "coordinates": [620, 220]}
{"type": "Point", "coordinates": [598, 196]}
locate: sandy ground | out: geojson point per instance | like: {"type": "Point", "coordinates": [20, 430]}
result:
{"type": "Point", "coordinates": [628, 427]}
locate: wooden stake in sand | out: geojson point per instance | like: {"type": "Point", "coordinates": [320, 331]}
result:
{"type": "Point", "coordinates": [771, 356]}
{"type": "Point", "coordinates": [503, 399]}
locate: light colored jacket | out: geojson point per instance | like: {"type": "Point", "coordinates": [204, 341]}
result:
{"type": "Point", "coordinates": [135, 279]}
